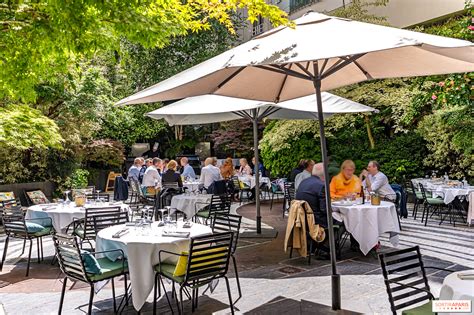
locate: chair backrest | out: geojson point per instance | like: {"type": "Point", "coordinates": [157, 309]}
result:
{"type": "Point", "coordinates": [103, 197]}
{"type": "Point", "coordinates": [148, 213]}
{"type": "Point", "coordinates": [170, 185]}
{"type": "Point", "coordinates": [289, 191]}
{"type": "Point", "coordinates": [89, 226]}
{"type": "Point", "coordinates": [69, 257]}
{"type": "Point", "coordinates": [404, 267]}
{"type": "Point", "coordinates": [104, 220]}
{"type": "Point", "coordinates": [422, 189]}
{"type": "Point", "coordinates": [14, 221]}
{"type": "Point", "coordinates": [219, 204]}
{"type": "Point", "coordinates": [236, 183]}
{"type": "Point", "coordinates": [208, 257]}
{"type": "Point", "coordinates": [227, 223]}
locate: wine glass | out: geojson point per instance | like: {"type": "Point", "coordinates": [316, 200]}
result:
{"type": "Point", "coordinates": [162, 214]}
{"type": "Point", "coordinates": [168, 208]}
{"type": "Point", "coordinates": [66, 198]}
{"type": "Point", "coordinates": [98, 192]}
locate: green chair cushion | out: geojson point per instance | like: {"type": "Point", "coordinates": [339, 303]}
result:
{"type": "Point", "coordinates": [108, 269]}
{"type": "Point", "coordinates": [424, 309]}
{"type": "Point", "coordinates": [43, 232]}
{"type": "Point", "coordinates": [90, 263]}
{"type": "Point", "coordinates": [435, 201]}
{"type": "Point", "coordinates": [203, 214]}
{"type": "Point", "coordinates": [168, 271]}
{"type": "Point", "coordinates": [79, 232]}
{"type": "Point", "coordinates": [33, 227]}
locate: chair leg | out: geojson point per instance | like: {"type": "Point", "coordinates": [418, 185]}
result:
{"type": "Point", "coordinates": [42, 250]}
{"type": "Point", "coordinates": [29, 258]}
{"type": "Point", "coordinates": [61, 300]}
{"type": "Point", "coordinates": [271, 202]}
{"type": "Point", "coordinates": [237, 278]}
{"type": "Point", "coordinates": [4, 256]}
{"type": "Point", "coordinates": [166, 293]}
{"type": "Point", "coordinates": [155, 289]}
{"type": "Point", "coordinates": [126, 288]}
{"type": "Point", "coordinates": [91, 299]}
{"type": "Point", "coordinates": [230, 295]}
{"type": "Point", "coordinates": [181, 307]}
{"type": "Point", "coordinates": [38, 249]}
{"type": "Point", "coordinates": [399, 224]}
{"type": "Point", "coordinates": [113, 295]}
{"type": "Point", "coordinates": [24, 246]}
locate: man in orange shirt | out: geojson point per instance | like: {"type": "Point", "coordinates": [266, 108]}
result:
{"type": "Point", "coordinates": [345, 184]}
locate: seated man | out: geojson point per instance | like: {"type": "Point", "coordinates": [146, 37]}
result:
{"type": "Point", "coordinates": [152, 177]}
{"type": "Point", "coordinates": [134, 170]}
{"type": "Point", "coordinates": [306, 173]}
{"type": "Point", "coordinates": [209, 173]}
{"type": "Point", "coordinates": [188, 171]}
{"type": "Point", "coordinates": [377, 181]}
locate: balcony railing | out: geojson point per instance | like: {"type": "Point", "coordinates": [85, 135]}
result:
{"type": "Point", "coordinates": [295, 5]}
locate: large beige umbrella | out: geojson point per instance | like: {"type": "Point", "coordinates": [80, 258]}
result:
{"type": "Point", "coordinates": [321, 53]}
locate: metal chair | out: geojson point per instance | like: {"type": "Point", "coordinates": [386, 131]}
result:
{"type": "Point", "coordinates": [104, 197]}
{"type": "Point", "coordinates": [206, 260]}
{"type": "Point", "coordinates": [229, 223]}
{"type": "Point", "coordinates": [105, 220]}
{"type": "Point", "coordinates": [84, 228]}
{"type": "Point", "coordinates": [219, 204]}
{"type": "Point", "coordinates": [16, 226]}
{"type": "Point", "coordinates": [435, 204]}
{"type": "Point", "coordinates": [417, 198]}
{"type": "Point", "coordinates": [240, 189]}
{"type": "Point", "coordinates": [276, 191]}
{"type": "Point", "coordinates": [72, 262]}
{"type": "Point", "coordinates": [405, 280]}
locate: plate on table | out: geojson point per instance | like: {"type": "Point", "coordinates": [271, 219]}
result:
{"type": "Point", "coordinates": [343, 203]}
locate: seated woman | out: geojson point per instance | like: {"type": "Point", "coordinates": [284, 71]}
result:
{"type": "Point", "coordinates": [345, 183]}
{"type": "Point", "coordinates": [227, 169]}
{"type": "Point", "coordinates": [245, 168]}
{"type": "Point", "coordinates": [171, 176]}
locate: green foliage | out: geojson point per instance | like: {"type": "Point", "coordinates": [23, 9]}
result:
{"type": "Point", "coordinates": [104, 154]}
{"type": "Point", "coordinates": [41, 40]}
{"type": "Point", "coordinates": [23, 127]}
{"type": "Point", "coordinates": [78, 179]}
{"type": "Point", "coordinates": [359, 10]}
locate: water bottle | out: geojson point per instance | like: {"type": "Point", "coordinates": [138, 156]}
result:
{"type": "Point", "coordinates": [446, 178]}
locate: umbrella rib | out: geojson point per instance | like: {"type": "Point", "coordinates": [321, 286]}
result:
{"type": "Point", "coordinates": [277, 98]}
{"type": "Point", "coordinates": [267, 112]}
{"type": "Point", "coordinates": [367, 74]}
{"type": "Point", "coordinates": [280, 70]}
{"type": "Point", "coordinates": [305, 70]}
{"type": "Point", "coordinates": [346, 61]}
{"type": "Point", "coordinates": [324, 65]}
{"type": "Point", "coordinates": [229, 78]}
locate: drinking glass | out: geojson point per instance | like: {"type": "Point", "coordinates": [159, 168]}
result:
{"type": "Point", "coordinates": [162, 214]}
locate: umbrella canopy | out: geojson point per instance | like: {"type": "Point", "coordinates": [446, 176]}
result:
{"type": "Point", "coordinates": [208, 109]}
{"type": "Point", "coordinates": [350, 52]}
{"type": "Point", "coordinates": [321, 53]}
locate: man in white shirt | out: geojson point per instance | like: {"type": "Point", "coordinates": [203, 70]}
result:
{"type": "Point", "coordinates": [377, 181]}
{"type": "Point", "coordinates": [209, 173]}
{"type": "Point", "coordinates": [152, 177]}
{"type": "Point", "coordinates": [188, 171]}
{"type": "Point", "coordinates": [306, 173]}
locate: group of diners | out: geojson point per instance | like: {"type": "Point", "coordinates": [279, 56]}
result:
{"type": "Point", "coordinates": [154, 172]}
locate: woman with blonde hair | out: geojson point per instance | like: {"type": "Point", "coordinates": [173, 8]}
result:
{"type": "Point", "coordinates": [171, 176]}
{"type": "Point", "coordinates": [345, 184]}
{"type": "Point", "coordinates": [245, 168]}
{"type": "Point", "coordinates": [227, 169]}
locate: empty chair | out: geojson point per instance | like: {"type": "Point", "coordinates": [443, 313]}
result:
{"type": "Point", "coordinates": [405, 280]}
{"type": "Point", "coordinates": [219, 204]}
{"type": "Point", "coordinates": [16, 226]}
{"type": "Point", "coordinates": [79, 265]}
{"type": "Point", "coordinates": [206, 260]}
{"type": "Point", "coordinates": [395, 198]}
{"type": "Point", "coordinates": [105, 220]}
{"type": "Point", "coordinates": [229, 223]}
{"type": "Point", "coordinates": [430, 203]}
{"type": "Point", "coordinates": [289, 195]}
{"type": "Point", "coordinates": [103, 197]}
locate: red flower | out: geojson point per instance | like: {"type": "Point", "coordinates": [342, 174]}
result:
{"type": "Point", "coordinates": [434, 97]}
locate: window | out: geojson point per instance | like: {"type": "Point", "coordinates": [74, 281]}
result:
{"type": "Point", "coordinates": [257, 26]}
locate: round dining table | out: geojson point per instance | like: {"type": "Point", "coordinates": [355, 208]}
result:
{"type": "Point", "coordinates": [141, 247]}
{"type": "Point", "coordinates": [366, 222]}
{"type": "Point", "coordinates": [63, 214]}
{"type": "Point", "coordinates": [190, 203]}
{"type": "Point", "coordinates": [459, 286]}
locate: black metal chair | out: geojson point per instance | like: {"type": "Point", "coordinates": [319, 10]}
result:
{"type": "Point", "coordinates": [74, 263]}
{"type": "Point", "coordinates": [104, 197]}
{"type": "Point", "coordinates": [229, 223]}
{"type": "Point", "coordinates": [275, 191]}
{"type": "Point", "coordinates": [84, 228]}
{"type": "Point", "coordinates": [430, 203]}
{"type": "Point", "coordinates": [219, 204]}
{"type": "Point", "coordinates": [240, 188]}
{"type": "Point", "coordinates": [417, 198]}
{"type": "Point", "coordinates": [207, 260]}
{"type": "Point", "coordinates": [16, 226]}
{"type": "Point", "coordinates": [105, 220]}
{"type": "Point", "coordinates": [405, 280]}
{"type": "Point", "coordinates": [289, 196]}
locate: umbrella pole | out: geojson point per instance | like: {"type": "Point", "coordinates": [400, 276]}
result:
{"type": "Point", "coordinates": [335, 277]}
{"type": "Point", "coordinates": [257, 175]}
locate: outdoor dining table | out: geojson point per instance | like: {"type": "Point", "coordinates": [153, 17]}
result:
{"type": "Point", "coordinates": [192, 186]}
{"type": "Point", "coordinates": [190, 203]}
{"type": "Point", "coordinates": [141, 247]}
{"type": "Point", "coordinates": [366, 222]}
{"type": "Point", "coordinates": [63, 214]}
{"type": "Point", "coordinates": [456, 288]}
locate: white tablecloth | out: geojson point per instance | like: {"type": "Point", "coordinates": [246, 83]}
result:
{"type": "Point", "coordinates": [63, 215]}
{"type": "Point", "coordinates": [189, 204]}
{"type": "Point", "coordinates": [448, 193]}
{"type": "Point", "coordinates": [142, 253]}
{"type": "Point", "coordinates": [456, 289]}
{"type": "Point", "coordinates": [366, 223]}
{"type": "Point", "coordinates": [192, 186]}
{"type": "Point", "coordinates": [250, 181]}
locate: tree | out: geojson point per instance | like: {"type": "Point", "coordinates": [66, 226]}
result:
{"type": "Point", "coordinates": [41, 39]}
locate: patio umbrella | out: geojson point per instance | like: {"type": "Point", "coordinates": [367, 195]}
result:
{"type": "Point", "coordinates": [321, 53]}
{"type": "Point", "coordinates": [208, 109]}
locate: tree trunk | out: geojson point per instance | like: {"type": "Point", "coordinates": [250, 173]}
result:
{"type": "Point", "coordinates": [369, 132]}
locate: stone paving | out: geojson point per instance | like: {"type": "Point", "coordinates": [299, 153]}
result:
{"type": "Point", "coordinates": [272, 283]}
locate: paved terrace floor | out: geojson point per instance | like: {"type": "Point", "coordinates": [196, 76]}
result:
{"type": "Point", "coordinates": [272, 283]}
